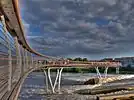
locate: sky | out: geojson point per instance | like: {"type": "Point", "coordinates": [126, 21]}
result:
{"type": "Point", "coordinates": [80, 28]}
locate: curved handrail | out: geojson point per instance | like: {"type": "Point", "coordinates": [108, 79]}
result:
{"type": "Point", "coordinates": [16, 7]}
{"type": "Point", "coordinates": [21, 35]}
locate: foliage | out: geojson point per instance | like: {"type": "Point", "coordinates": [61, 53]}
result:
{"type": "Point", "coordinates": [85, 59]}
{"type": "Point", "coordinates": [79, 59]}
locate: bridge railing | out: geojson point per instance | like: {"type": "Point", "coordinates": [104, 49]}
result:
{"type": "Point", "coordinates": [15, 60]}
{"type": "Point", "coordinates": [99, 63]}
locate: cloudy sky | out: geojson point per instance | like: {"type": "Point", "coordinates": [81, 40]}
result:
{"type": "Point", "coordinates": [85, 28]}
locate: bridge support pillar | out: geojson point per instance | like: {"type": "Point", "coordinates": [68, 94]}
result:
{"type": "Point", "coordinates": [60, 80]}
{"type": "Point", "coordinates": [105, 72]}
{"type": "Point", "coordinates": [57, 79]}
{"type": "Point", "coordinates": [50, 80]}
{"type": "Point", "coordinates": [117, 70]}
{"type": "Point", "coordinates": [99, 74]}
{"type": "Point", "coordinates": [9, 54]}
{"type": "Point", "coordinates": [46, 79]}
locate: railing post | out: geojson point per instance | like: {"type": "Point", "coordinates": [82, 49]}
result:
{"type": "Point", "coordinates": [26, 58]}
{"type": "Point", "coordinates": [22, 60]}
{"type": "Point", "coordinates": [31, 60]}
{"type": "Point", "coordinates": [29, 63]}
{"type": "Point", "coordinates": [18, 54]}
{"type": "Point", "coordinates": [117, 70]}
{"type": "Point", "coordinates": [37, 63]}
{"type": "Point", "coordinates": [9, 54]}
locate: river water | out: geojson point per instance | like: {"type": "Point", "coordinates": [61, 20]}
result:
{"type": "Point", "coordinates": [34, 87]}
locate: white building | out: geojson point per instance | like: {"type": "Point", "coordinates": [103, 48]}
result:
{"type": "Point", "coordinates": [126, 61]}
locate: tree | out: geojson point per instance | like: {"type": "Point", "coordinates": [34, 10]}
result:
{"type": "Point", "coordinates": [78, 59]}
{"type": "Point", "coordinates": [69, 58]}
{"type": "Point", "coordinates": [85, 59]}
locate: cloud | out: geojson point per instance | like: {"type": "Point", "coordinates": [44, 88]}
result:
{"type": "Point", "coordinates": [96, 28]}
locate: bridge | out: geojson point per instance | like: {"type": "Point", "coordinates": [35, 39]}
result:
{"type": "Point", "coordinates": [18, 59]}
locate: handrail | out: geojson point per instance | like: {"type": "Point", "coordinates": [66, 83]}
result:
{"type": "Point", "coordinates": [21, 35]}
{"type": "Point", "coordinates": [16, 8]}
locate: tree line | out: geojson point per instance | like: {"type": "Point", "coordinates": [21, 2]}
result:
{"type": "Point", "coordinates": [78, 59]}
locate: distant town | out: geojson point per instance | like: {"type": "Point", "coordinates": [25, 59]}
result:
{"type": "Point", "coordinates": [126, 61]}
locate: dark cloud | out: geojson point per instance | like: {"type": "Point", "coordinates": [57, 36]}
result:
{"type": "Point", "coordinates": [95, 28]}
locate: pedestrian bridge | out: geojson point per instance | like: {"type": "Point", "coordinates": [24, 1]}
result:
{"type": "Point", "coordinates": [18, 59]}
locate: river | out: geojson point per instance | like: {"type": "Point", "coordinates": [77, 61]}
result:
{"type": "Point", "coordinates": [34, 86]}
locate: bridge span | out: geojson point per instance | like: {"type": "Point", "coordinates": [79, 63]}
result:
{"type": "Point", "coordinates": [18, 59]}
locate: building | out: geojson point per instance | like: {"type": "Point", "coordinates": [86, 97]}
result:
{"type": "Point", "coordinates": [126, 61]}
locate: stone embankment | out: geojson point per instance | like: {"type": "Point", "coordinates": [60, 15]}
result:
{"type": "Point", "coordinates": [107, 79]}
{"type": "Point", "coordinates": [109, 92]}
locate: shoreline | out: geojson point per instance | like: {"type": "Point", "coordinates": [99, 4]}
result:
{"type": "Point", "coordinates": [123, 96]}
